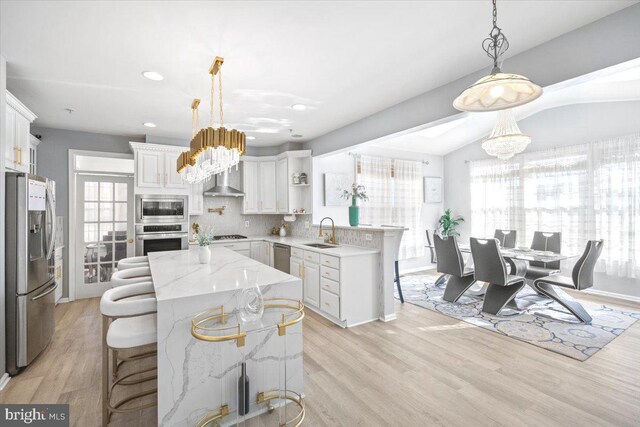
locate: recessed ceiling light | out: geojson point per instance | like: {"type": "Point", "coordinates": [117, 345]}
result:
{"type": "Point", "coordinates": [251, 137]}
{"type": "Point", "coordinates": [299, 107]}
{"type": "Point", "coordinates": [149, 124]}
{"type": "Point", "coordinates": [152, 75]}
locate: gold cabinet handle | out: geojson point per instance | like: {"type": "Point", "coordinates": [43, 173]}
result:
{"type": "Point", "coordinates": [20, 151]}
{"type": "Point", "coordinates": [15, 157]}
{"type": "Point", "coordinates": [299, 273]}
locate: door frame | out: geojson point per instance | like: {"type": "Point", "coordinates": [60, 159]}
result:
{"type": "Point", "coordinates": [71, 243]}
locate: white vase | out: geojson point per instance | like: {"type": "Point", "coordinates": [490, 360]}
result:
{"type": "Point", "coordinates": [283, 232]}
{"type": "Point", "coordinates": [204, 256]}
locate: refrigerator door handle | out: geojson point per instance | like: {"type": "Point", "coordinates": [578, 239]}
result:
{"type": "Point", "coordinates": [52, 232]}
{"type": "Point", "coordinates": [45, 293]}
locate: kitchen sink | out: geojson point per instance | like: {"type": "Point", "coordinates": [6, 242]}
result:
{"type": "Point", "coordinates": [319, 245]}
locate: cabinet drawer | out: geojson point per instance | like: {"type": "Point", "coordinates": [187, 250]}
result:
{"type": "Point", "coordinates": [330, 273]}
{"type": "Point", "coordinates": [330, 261]}
{"type": "Point", "coordinates": [242, 246]}
{"type": "Point", "coordinates": [312, 256]}
{"type": "Point", "coordinates": [330, 303]}
{"type": "Point", "coordinates": [296, 252]}
{"type": "Point", "coordinates": [330, 285]}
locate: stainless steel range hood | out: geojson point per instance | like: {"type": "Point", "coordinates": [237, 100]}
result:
{"type": "Point", "coordinates": [221, 187]}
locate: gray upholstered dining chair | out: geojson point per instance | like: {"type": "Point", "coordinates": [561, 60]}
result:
{"type": "Point", "coordinates": [450, 262]}
{"type": "Point", "coordinates": [543, 241]}
{"type": "Point", "coordinates": [581, 278]}
{"type": "Point", "coordinates": [507, 238]}
{"type": "Point", "coordinates": [491, 268]}
{"type": "Point", "coordinates": [430, 234]}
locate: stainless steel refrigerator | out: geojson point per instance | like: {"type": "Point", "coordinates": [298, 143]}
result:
{"type": "Point", "coordinates": [29, 273]}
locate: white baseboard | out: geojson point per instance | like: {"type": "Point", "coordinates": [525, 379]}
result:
{"type": "Point", "coordinates": [4, 380]}
{"type": "Point", "coordinates": [388, 317]}
{"type": "Point", "coordinates": [417, 269]}
{"type": "Point", "coordinates": [612, 295]}
{"type": "Point", "coordinates": [62, 300]}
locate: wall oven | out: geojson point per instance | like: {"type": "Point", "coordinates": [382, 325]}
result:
{"type": "Point", "coordinates": [161, 237]}
{"type": "Point", "coordinates": [161, 209]}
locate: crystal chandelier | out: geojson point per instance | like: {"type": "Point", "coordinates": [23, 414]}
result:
{"type": "Point", "coordinates": [497, 91]}
{"type": "Point", "coordinates": [505, 140]}
{"type": "Point", "coordinates": [212, 150]}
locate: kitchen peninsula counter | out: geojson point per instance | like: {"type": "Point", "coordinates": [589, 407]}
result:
{"type": "Point", "coordinates": [196, 377]}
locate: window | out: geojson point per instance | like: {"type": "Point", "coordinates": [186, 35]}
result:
{"type": "Point", "coordinates": [394, 188]}
{"type": "Point", "coordinates": [589, 191]}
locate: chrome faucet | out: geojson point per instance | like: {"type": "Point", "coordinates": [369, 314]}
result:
{"type": "Point", "coordinates": [333, 230]}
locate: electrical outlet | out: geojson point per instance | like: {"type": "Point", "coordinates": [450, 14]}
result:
{"type": "Point", "coordinates": [306, 224]}
{"type": "Point", "coordinates": [368, 237]}
{"type": "Point", "coordinates": [247, 224]}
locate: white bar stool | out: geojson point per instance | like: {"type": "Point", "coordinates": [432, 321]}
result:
{"type": "Point", "coordinates": [128, 323]}
{"type": "Point", "coordinates": [131, 276]}
{"type": "Point", "coordinates": [133, 262]}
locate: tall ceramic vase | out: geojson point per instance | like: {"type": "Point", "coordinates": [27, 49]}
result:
{"type": "Point", "coordinates": [354, 213]}
{"type": "Point", "coordinates": [204, 255]}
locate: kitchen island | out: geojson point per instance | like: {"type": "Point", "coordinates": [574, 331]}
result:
{"type": "Point", "coordinates": [198, 377]}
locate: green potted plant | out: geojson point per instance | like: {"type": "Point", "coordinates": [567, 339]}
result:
{"type": "Point", "coordinates": [205, 237]}
{"type": "Point", "coordinates": [355, 193]}
{"type": "Point", "coordinates": [447, 224]}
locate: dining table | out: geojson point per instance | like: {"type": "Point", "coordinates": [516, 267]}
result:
{"type": "Point", "coordinates": [517, 258]}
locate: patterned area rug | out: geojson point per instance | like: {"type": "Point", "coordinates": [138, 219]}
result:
{"type": "Point", "coordinates": [536, 321]}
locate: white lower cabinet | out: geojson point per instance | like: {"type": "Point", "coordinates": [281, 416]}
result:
{"type": "Point", "coordinates": [311, 283]}
{"type": "Point", "coordinates": [260, 252]}
{"type": "Point", "coordinates": [295, 266]}
{"type": "Point", "coordinates": [243, 248]}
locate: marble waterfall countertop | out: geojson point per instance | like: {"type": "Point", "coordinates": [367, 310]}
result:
{"type": "Point", "coordinates": [178, 274]}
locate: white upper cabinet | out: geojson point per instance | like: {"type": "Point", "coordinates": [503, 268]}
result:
{"type": "Point", "coordinates": [282, 186]}
{"type": "Point", "coordinates": [156, 169]}
{"type": "Point", "coordinates": [196, 199]}
{"type": "Point", "coordinates": [250, 187]}
{"type": "Point", "coordinates": [268, 183]}
{"type": "Point", "coordinates": [268, 187]}
{"type": "Point", "coordinates": [172, 178]}
{"type": "Point", "coordinates": [17, 134]}
{"type": "Point", "coordinates": [149, 165]}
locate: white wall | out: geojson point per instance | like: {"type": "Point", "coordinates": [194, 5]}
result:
{"type": "Point", "coordinates": [563, 126]}
{"type": "Point", "coordinates": [344, 163]}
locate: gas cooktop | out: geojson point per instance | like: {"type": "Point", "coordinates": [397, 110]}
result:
{"type": "Point", "coordinates": [229, 237]}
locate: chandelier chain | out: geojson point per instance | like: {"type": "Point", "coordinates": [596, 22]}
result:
{"type": "Point", "coordinates": [220, 95]}
{"type": "Point", "coordinates": [211, 101]}
{"type": "Point", "coordinates": [495, 14]}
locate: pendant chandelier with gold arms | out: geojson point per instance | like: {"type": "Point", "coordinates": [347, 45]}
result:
{"type": "Point", "coordinates": [212, 150]}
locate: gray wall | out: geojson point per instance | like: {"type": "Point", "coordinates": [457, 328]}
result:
{"type": "Point", "coordinates": [3, 142]}
{"type": "Point", "coordinates": [53, 162]}
{"type": "Point", "coordinates": [606, 42]}
{"type": "Point", "coordinates": [563, 126]}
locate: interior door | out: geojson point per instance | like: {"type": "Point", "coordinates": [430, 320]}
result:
{"type": "Point", "coordinates": [105, 223]}
{"type": "Point", "coordinates": [268, 187]}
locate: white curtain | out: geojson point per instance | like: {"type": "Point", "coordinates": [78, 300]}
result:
{"type": "Point", "coordinates": [588, 191]}
{"type": "Point", "coordinates": [394, 188]}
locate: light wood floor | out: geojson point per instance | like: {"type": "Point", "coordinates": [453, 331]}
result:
{"type": "Point", "coordinates": [422, 369]}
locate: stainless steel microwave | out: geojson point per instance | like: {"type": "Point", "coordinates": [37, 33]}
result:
{"type": "Point", "coordinates": [159, 209]}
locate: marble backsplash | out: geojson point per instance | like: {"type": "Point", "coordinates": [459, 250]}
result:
{"type": "Point", "coordinates": [233, 221]}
